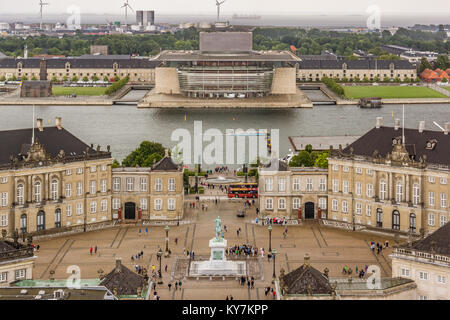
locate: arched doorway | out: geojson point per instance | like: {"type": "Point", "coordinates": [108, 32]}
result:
{"type": "Point", "coordinates": [412, 222]}
{"type": "Point", "coordinates": [309, 210]}
{"type": "Point", "coordinates": [40, 223]}
{"type": "Point", "coordinates": [130, 211]}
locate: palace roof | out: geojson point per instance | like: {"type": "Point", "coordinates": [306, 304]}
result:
{"type": "Point", "coordinates": [438, 242]}
{"type": "Point", "coordinates": [122, 281]}
{"type": "Point", "coordinates": [381, 139]}
{"type": "Point", "coordinates": [356, 64]}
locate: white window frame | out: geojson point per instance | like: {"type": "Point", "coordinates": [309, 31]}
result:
{"type": "Point", "coordinates": [69, 210]}
{"type": "Point", "coordinates": [269, 184]}
{"type": "Point", "coordinates": [368, 210]}
{"type": "Point", "coordinates": [442, 220]}
{"type": "Point", "coordinates": [93, 207]}
{"type": "Point", "coordinates": [358, 208]}
{"type": "Point", "coordinates": [130, 184]}
{"type": "Point", "coordinates": [3, 277]}
{"type": "Point", "coordinates": [171, 185]}
{"type": "Point", "coordinates": [399, 191]}
{"type": "Point", "coordinates": [93, 187]}
{"type": "Point", "coordinates": [4, 220]}
{"type": "Point", "coordinates": [296, 203]}
{"type": "Point", "coordinates": [116, 203]}
{"type": "Point", "coordinates": [144, 184]}
{"type": "Point", "coordinates": [281, 184]}
{"type": "Point", "coordinates": [334, 205]}
{"type": "Point", "coordinates": [335, 184]}
{"type": "Point", "coordinates": [93, 168]}
{"type": "Point", "coordinates": [171, 204]}
{"type": "Point", "coordinates": [383, 189]}
{"type": "Point", "coordinates": [344, 205]}
{"type": "Point", "coordinates": [116, 184]}
{"type": "Point", "coordinates": [269, 204]}
{"type": "Point", "coordinates": [296, 184]}
{"type": "Point", "coordinates": [158, 204]}
{"type": "Point", "coordinates": [104, 205]}
{"type": "Point", "coordinates": [158, 184]}
{"type": "Point", "coordinates": [68, 190]}
{"type": "Point", "coordinates": [104, 185]}
{"type": "Point", "coordinates": [431, 201]}
{"type": "Point", "coordinates": [79, 170]}
{"type": "Point", "coordinates": [20, 273]}
{"type": "Point", "coordinates": [79, 188]}
{"type": "Point", "coordinates": [143, 203]}
{"type": "Point", "coordinates": [358, 188]}
{"type": "Point", "coordinates": [431, 219]}
{"type": "Point", "coordinates": [309, 184]}
{"type": "Point", "coordinates": [423, 275]}
{"type": "Point", "coordinates": [345, 187]}
{"type": "Point", "coordinates": [4, 199]}
{"type": "Point", "coordinates": [281, 204]}
{"type": "Point", "coordinates": [416, 194]}
{"type": "Point", "coordinates": [37, 191]}
{"type": "Point", "coordinates": [369, 190]}
{"type": "Point", "coordinates": [54, 190]}
{"type": "Point", "coordinates": [323, 184]}
{"type": "Point", "coordinates": [20, 194]}
{"type": "Point", "coordinates": [323, 203]}
{"type": "Point", "coordinates": [443, 199]}
{"type": "Point", "coordinates": [79, 209]}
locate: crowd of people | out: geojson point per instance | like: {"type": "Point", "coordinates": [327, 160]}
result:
{"type": "Point", "coordinates": [242, 250]}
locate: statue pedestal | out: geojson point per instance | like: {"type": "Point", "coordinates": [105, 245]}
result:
{"type": "Point", "coordinates": [217, 265]}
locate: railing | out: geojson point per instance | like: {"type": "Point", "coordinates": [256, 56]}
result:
{"type": "Point", "coordinates": [16, 254]}
{"type": "Point", "coordinates": [424, 255]}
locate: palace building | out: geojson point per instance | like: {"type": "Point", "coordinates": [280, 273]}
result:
{"type": "Point", "coordinates": [292, 192]}
{"type": "Point", "coordinates": [385, 181]}
{"type": "Point", "coordinates": [51, 182]}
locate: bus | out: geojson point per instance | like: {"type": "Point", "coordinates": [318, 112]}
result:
{"type": "Point", "coordinates": [243, 190]}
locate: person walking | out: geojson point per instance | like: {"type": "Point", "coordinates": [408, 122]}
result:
{"type": "Point", "coordinates": [95, 249]}
{"type": "Point", "coordinates": [169, 285]}
{"type": "Point", "coordinates": [146, 231]}
{"type": "Point", "coordinates": [176, 241]}
{"type": "Point", "coordinates": [91, 251]}
{"type": "Point", "coordinates": [176, 285]}
{"type": "Point", "coordinates": [165, 268]}
{"type": "Point", "coordinates": [179, 284]}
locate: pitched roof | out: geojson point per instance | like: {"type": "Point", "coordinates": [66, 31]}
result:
{"type": "Point", "coordinates": [17, 142]}
{"type": "Point", "coordinates": [306, 280]}
{"type": "Point", "coordinates": [165, 164]}
{"type": "Point", "coordinates": [381, 139]}
{"type": "Point", "coordinates": [125, 281]}
{"type": "Point", "coordinates": [437, 242]}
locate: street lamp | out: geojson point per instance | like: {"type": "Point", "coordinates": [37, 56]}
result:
{"type": "Point", "coordinates": [159, 255]}
{"type": "Point", "coordinates": [270, 237]}
{"type": "Point", "coordinates": [166, 228]}
{"type": "Point", "coordinates": [274, 251]}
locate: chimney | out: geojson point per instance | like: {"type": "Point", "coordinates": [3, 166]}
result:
{"type": "Point", "coordinates": [306, 260]}
{"type": "Point", "coordinates": [118, 264]}
{"type": "Point", "coordinates": [446, 128]}
{"type": "Point", "coordinates": [379, 122]}
{"type": "Point", "coordinates": [396, 124]}
{"type": "Point", "coordinates": [40, 125]}
{"type": "Point", "coordinates": [421, 126]}
{"type": "Point", "coordinates": [58, 123]}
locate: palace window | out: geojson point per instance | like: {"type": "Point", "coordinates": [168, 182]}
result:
{"type": "Point", "coordinates": [443, 180]}
{"type": "Point", "coordinates": [171, 204]}
{"type": "Point", "coordinates": [431, 179]}
{"type": "Point", "coordinates": [431, 198]}
{"type": "Point", "coordinates": [130, 184]}
{"type": "Point", "coordinates": [68, 190]}
{"type": "Point", "coordinates": [171, 184]}
{"type": "Point", "coordinates": [104, 166]}
{"type": "Point", "coordinates": [441, 279]}
{"type": "Point", "coordinates": [383, 190]}
{"type": "Point", "coordinates": [103, 185]}
{"type": "Point", "coordinates": [335, 185]}
{"type": "Point", "coordinates": [344, 206]}
{"type": "Point", "coordinates": [416, 194]}
{"type": "Point", "coordinates": [369, 190]}
{"type": "Point", "coordinates": [323, 203]}
{"type": "Point", "coordinates": [79, 170]}
{"type": "Point", "coordinates": [345, 169]}
{"type": "Point", "coordinates": [79, 189]}
{"type": "Point", "coordinates": [104, 205]}
{"type": "Point", "coordinates": [345, 186]}
{"type": "Point", "coordinates": [158, 184]}
{"type": "Point", "coordinates": [93, 187]}
{"type": "Point", "coordinates": [57, 218]}
{"type": "Point", "coordinates": [323, 184]}
{"type": "Point", "coordinates": [368, 210]}
{"type": "Point", "coordinates": [423, 275]}
{"type": "Point", "coordinates": [20, 194]}
{"type": "Point", "coordinates": [395, 220]}
{"type": "Point", "coordinates": [158, 204]}
{"type": "Point", "coordinates": [68, 172]}
{"type": "Point", "coordinates": [269, 184]}
{"type": "Point", "coordinates": [116, 184]}
{"type": "Point", "coordinates": [143, 204]}
{"type": "Point", "coordinates": [40, 221]}
{"type": "Point", "coordinates": [37, 191]}
{"type": "Point", "coordinates": [269, 204]}
{"type": "Point", "coordinates": [93, 207]}
{"type": "Point", "coordinates": [295, 203]}
{"type": "Point", "coordinates": [404, 272]}
{"type": "Point", "coordinates": [23, 223]}
{"type": "Point", "coordinates": [443, 200]}
{"type": "Point", "coordinates": [4, 220]}
{"type": "Point", "coordinates": [309, 184]}
{"type": "Point", "coordinates": [79, 208]}
{"type": "Point", "coordinates": [335, 167]}
{"type": "Point", "coordinates": [399, 192]}
{"type": "Point", "coordinates": [334, 205]}
{"type": "Point", "coordinates": [69, 210]}
{"type": "Point", "coordinates": [296, 184]}
{"type": "Point", "coordinates": [116, 203]}
{"type": "Point", "coordinates": [442, 220]}
{"type": "Point", "coordinates": [281, 184]}
{"type": "Point", "coordinates": [358, 188]}
{"type": "Point", "coordinates": [282, 204]}
{"type": "Point", "coordinates": [143, 184]}
{"type": "Point", "coordinates": [358, 208]}
{"type": "Point", "coordinates": [54, 190]}
{"type": "Point", "coordinates": [20, 274]}
{"type": "Point", "coordinates": [431, 219]}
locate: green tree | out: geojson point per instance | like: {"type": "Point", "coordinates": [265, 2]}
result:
{"type": "Point", "coordinates": [442, 62]}
{"type": "Point", "coordinates": [65, 79]}
{"type": "Point", "coordinates": [2, 78]}
{"type": "Point", "coordinates": [24, 78]}
{"type": "Point", "coordinates": [75, 79]}
{"type": "Point", "coordinates": [116, 78]}
{"type": "Point", "coordinates": [105, 79]}
{"type": "Point", "coordinates": [115, 164]}
{"type": "Point", "coordinates": [85, 79]}
{"type": "Point", "coordinates": [95, 78]}
{"type": "Point", "coordinates": [54, 79]}
{"type": "Point", "coordinates": [424, 64]}
{"type": "Point", "coordinates": [33, 78]}
{"type": "Point", "coordinates": [145, 155]}
{"type": "Point", "coordinates": [322, 160]}
{"type": "Point", "coordinates": [444, 80]}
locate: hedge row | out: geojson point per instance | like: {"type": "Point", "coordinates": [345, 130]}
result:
{"type": "Point", "coordinates": [332, 85]}
{"type": "Point", "coordinates": [117, 86]}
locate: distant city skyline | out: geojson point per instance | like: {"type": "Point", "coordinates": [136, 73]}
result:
{"type": "Point", "coordinates": [288, 7]}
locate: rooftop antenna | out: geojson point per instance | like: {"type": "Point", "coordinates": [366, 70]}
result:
{"type": "Point", "coordinates": [32, 136]}
{"type": "Point", "coordinates": [126, 6]}
{"type": "Point", "coordinates": [42, 4]}
{"type": "Point", "coordinates": [403, 127]}
{"type": "Point", "coordinates": [218, 4]}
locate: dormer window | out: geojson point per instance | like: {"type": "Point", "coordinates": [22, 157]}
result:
{"type": "Point", "coordinates": [344, 66]}
{"type": "Point", "coordinates": [19, 65]}
{"type": "Point", "coordinates": [396, 141]}
{"type": "Point", "coordinates": [431, 144]}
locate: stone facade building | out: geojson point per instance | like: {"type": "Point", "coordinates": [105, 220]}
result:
{"type": "Point", "coordinates": [388, 182]}
{"type": "Point", "coordinates": [154, 193]}
{"type": "Point", "coordinates": [315, 70]}
{"type": "Point", "coordinates": [292, 193]}
{"type": "Point", "coordinates": [50, 181]}
{"type": "Point", "coordinates": [427, 262]}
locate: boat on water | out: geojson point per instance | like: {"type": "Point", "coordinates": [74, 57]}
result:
{"type": "Point", "coordinates": [370, 103]}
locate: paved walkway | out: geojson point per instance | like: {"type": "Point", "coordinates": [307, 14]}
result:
{"type": "Point", "coordinates": [328, 247]}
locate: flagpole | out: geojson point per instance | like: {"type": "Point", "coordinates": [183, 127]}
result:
{"type": "Point", "coordinates": [32, 136]}
{"type": "Point", "coordinates": [403, 126]}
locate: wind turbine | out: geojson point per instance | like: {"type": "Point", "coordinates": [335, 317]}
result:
{"type": "Point", "coordinates": [218, 4]}
{"type": "Point", "coordinates": [126, 6]}
{"type": "Point", "coordinates": [42, 4]}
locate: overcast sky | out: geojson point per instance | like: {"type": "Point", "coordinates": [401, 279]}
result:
{"type": "Point", "coordinates": [291, 7]}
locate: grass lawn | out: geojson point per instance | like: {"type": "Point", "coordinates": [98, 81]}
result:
{"type": "Point", "coordinates": [390, 92]}
{"type": "Point", "coordinates": [79, 91]}
{"type": "Point", "coordinates": [446, 88]}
